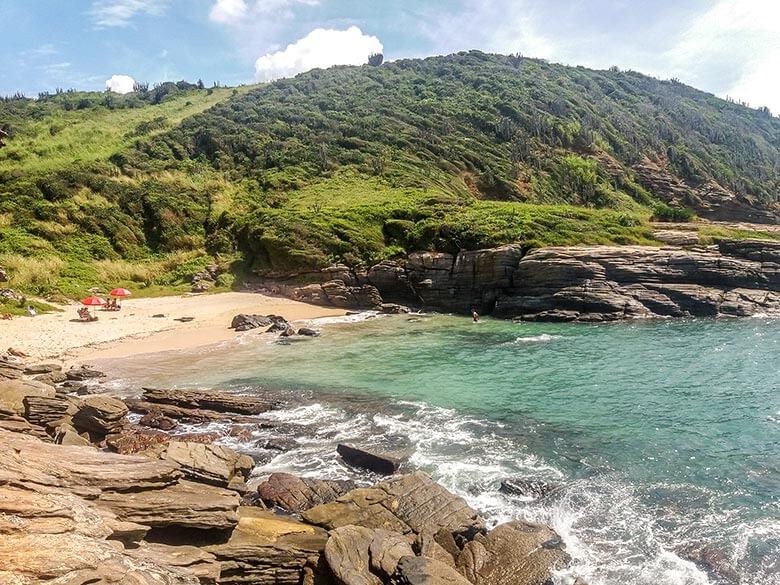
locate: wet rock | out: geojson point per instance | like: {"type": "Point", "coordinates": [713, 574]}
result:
{"type": "Point", "coordinates": [100, 414]}
{"type": "Point", "coordinates": [157, 420]}
{"type": "Point", "coordinates": [186, 415]}
{"type": "Point", "coordinates": [378, 463]}
{"type": "Point", "coordinates": [288, 332]}
{"type": "Point", "coordinates": [529, 488]}
{"type": "Point", "coordinates": [308, 332]}
{"type": "Point", "coordinates": [268, 549]}
{"type": "Point", "coordinates": [280, 444]}
{"type": "Point", "coordinates": [212, 464]}
{"type": "Point", "coordinates": [424, 571]}
{"type": "Point", "coordinates": [244, 322]}
{"type": "Point", "coordinates": [714, 562]}
{"type": "Point", "coordinates": [347, 554]}
{"type": "Point", "coordinates": [13, 393]}
{"type": "Point", "coordinates": [515, 552]}
{"type": "Point", "coordinates": [135, 439]}
{"type": "Point", "coordinates": [296, 494]}
{"type": "Point", "coordinates": [81, 373]}
{"type": "Point", "coordinates": [209, 400]}
{"type": "Point", "coordinates": [403, 504]}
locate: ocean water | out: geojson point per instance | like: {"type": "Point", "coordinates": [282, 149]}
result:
{"type": "Point", "coordinates": [664, 436]}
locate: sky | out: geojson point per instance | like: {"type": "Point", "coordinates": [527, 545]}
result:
{"type": "Point", "coordinates": [727, 47]}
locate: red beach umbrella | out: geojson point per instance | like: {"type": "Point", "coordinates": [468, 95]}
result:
{"type": "Point", "coordinates": [93, 302]}
{"type": "Point", "coordinates": [120, 292]}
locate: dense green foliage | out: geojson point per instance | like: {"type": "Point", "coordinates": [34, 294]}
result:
{"type": "Point", "coordinates": [357, 164]}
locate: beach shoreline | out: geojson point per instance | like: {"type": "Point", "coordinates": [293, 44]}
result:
{"type": "Point", "coordinates": [61, 338]}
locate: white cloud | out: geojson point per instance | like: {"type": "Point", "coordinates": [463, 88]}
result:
{"type": "Point", "coordinates": [733, 48]}
{"type": "Point", "coordinates": [241, 12]}
{"type": "Point", "coordinates": [320, 48]}
{"type": "Point", "coordinates": [120, 13]}
{"type": "Point", "coordinates": [120, 84]}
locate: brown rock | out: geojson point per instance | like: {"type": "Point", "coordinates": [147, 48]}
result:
{"type": "Point", "coordinates": [213, 464]}
{"type": "Point", "coordinates": [269, 549]}
{"type": "Point", "coordinates": [42, 369]}
{"type": "Point", "coordinates": [44, 411]}
{"type": "Point", "coordinates": [347, 553]}
{"type": "Point", "coordinates": [425, 571]}
{"type": "Point", "coordinates": [157, 420]}
{"type": "Point", "coordinates": [403, 504]}
{"type": "Point", "coordinates": [513, 553]}
{"type": "Point", "coordinates": [100, 414]}
{"type": "Point", "coordinates": [13, 392]}
{"type": "Point", "coordinates": [206, 400]}
{"type": "Point", "coordinates": [296, 494]}
{"type": "Point", "coordinates": [194, 560]}
{"type": "Point", "coordinates": [386, 549]}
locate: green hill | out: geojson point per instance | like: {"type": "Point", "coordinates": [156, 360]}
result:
{"type": "Point", "coordinates": [357, 164]}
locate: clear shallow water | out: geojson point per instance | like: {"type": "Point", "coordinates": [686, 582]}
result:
{"type": "Point", "coordinates": [666, 435]}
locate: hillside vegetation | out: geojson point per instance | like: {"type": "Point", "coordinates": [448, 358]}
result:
{"type": "Point", "coordinates": [357, 164]}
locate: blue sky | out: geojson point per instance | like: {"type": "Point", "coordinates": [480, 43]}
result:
{"type": "Point", "coordinates": [728, 47]}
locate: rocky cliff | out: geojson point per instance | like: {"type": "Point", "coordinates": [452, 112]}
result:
{"type": "Point", "coordinates": [585, 283]}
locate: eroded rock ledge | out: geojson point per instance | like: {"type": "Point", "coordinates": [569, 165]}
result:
{"type": "Point", "coordinates": [584, 283]}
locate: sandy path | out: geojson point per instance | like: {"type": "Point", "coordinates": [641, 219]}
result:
{"type": "Point", "coordinates": [133, 330]}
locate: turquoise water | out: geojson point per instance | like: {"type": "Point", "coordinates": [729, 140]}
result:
{"type": "Point", "coordinates": [665, 435]}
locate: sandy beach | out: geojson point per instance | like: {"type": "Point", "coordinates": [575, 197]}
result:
{"type": "Point", "coordinates": [135, 330]}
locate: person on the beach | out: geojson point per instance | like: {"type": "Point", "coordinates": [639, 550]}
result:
{"type": "Point", "coordinates": [474, 315]}
{"type": "Point", "coordinates": [31, 311]}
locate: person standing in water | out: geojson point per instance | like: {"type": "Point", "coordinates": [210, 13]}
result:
{"type": "Point", "coordinates": [474, 315]}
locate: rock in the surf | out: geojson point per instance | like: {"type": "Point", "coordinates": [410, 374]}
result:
{"type": "Point", "coordinates": [347, 553]}
{"type": "Point", "coordinates": [526, 551]}
{"type": "Point", "coordinates": [296, 494]}
{"type": "Point", "coordinates": [308, 332]}
{"type": "Point", "coordinates": [404, 504]}
{"type": "Point", "coordinates": [157, 420]}
{"type": "Point", "coordinates": [378, 463]}
{"type": "Point", "coordinates": [529, 488]}
{"type": "Point", "coordinates": [424, 571]}
{"type": "Point", "coordinates": [244, 322]}
{"type": "Point", "coordinates": [209, 400]}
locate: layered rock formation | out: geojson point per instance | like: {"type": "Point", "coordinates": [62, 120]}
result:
{"type": "Point", "coordinates": [588, 283]}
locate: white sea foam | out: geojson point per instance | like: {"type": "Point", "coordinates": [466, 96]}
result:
{"type": "Point", "coordinates": [541, 338]}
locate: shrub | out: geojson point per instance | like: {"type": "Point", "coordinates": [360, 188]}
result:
{"type": "Point", "coordinates": [663, 212]}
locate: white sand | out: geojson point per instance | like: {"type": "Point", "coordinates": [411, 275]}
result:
{"type": "Point", "coordinates": [133, 330]}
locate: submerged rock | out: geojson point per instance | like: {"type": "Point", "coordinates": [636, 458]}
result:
{"type": "Point", "coordinates": [529, 488]}
{"type": "Point", "coordinates": [209, 400]}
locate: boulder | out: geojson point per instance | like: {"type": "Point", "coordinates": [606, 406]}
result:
{"type": "Point", "coordinates": [42, 369]}
{"type": "Point", "coordinates": [405, 504]}
{"type": "Point", "coordinates": [513, 553]}
{"type": "Point", "coordinates": [200, 286]}
{"type": "Point", "coordinates": [212, 464]}
{"type": "Point", "coordinates": [289, 331]}
{"type": "Point", "coordinates": [13, 393]}
{"type": "Point", "coordinates": [393, 309]}
{"type": "Point", "coordinates": [529, 488]}
{"type": "Point", "coordinates": [100, 414]}
{"type": "Point", "coordinates": [279, 444]}
{"type": "Point", "coordinates": [308, 332]}
{"type": "Point", "coordinates": [378, 463]}
{"type": "Point", "coordinates": [424, 571]}
{"type": "Point", "coordinates": [268, 549]}
{"type": "Point", "coordinates": [51, 378]}
{"type": "Point", "coordinates": [386, 550]}
{"type": "Point", "coordinates": [3, 275]}
{"type": "Point", "coordinates": [347, 554]}
{"type": "Point", "coordinates": [209, 400]}
{"type": "Point", "coordinates": [296, 494]}
{"type": "Point", "coordinates": [244, 322]}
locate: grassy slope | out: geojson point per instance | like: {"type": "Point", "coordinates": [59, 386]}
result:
{"type": "Point", "coordinates": [356, 165]}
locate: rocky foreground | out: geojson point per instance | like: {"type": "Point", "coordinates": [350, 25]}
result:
{"type": "Point", "coordinates": [578, 283]}
{"type": "Point", "coordinates": [86, 496]}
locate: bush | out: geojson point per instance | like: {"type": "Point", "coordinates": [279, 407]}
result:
{"type": "Point", "coordinates": [663, 212]}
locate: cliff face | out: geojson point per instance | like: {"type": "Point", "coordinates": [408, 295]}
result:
{"type": "Point", "coordinates": [584, 283]}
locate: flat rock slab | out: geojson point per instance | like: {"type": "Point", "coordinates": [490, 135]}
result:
{"type": "Point", "coordinates": [209, 400]}
{"type": "Point", "coordinates": [213, 464]}
{"type": "Point", "coordinates": [100, 414]}
{"type": "Point", "coordinates": [297, 494]}
{"type": "Point", "coordinates": [268, 549]}
{"type": "Point", "coordinates": [347, 553]}
{"type": "Point", "coordinates": [42, 369]}
{"type": "Point", "coordinates": [516, 552]}
{"type": "Point", "coordinates": [403, 504]}
{"type": "Point", "coordinates": [378, 463]}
